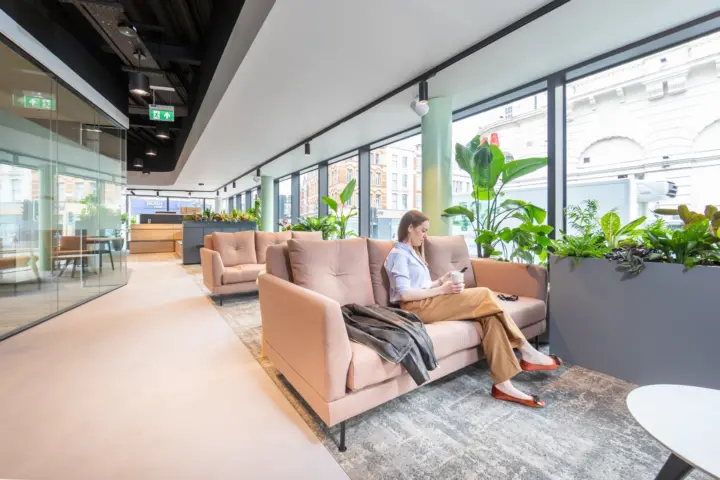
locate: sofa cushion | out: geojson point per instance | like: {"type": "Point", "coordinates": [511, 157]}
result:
{"type": "Point", "coordinates": [338, 269]}
{"type": "Point", "coordinates": [207, 241]}
{"type": "Point", "coordinates": [526, 311]}
{"type": "Point", "coordinates": [444, 254]}
{"type": "Point", "coordinates": [278, 262]}
{"type": "Point", "coordinates": [378, 250]}
{"type": "Point", "coordinates": [368, 368]}
{"type": "Point", "coordinates": [242, 273]}
{"type": "Point", "coordinates": [265, 239]}
{"type": "Point", "coordinates": [307, 235]}
{"type": "Point", "coordinates": [236, 248]}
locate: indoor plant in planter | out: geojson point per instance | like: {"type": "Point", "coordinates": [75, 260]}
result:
{"type": "Point", "coordinates": [195, 227]}
{"type": "Point", "coordinates": [642, 307]}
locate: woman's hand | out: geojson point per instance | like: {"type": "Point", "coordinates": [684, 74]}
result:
{"type": "Point", "coordinates": [449, 288]}
{"type": "Point", "coordinates": [445, 278]}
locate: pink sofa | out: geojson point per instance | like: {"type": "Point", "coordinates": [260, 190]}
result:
{"type": "Point", "coordinates": [304, 333]}
{"type": "Point", "coordinates": [231, 262]}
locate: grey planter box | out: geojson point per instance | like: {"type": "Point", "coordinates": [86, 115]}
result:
{"type": "Point", "coordinates": [194, 235]}
{"type": "Point", "coordinates": [661, 326]}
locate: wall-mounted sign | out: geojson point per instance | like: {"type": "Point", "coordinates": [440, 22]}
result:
{"type": "Point", "coordinates": [162, 113]}
{"type": "Point", "coordinates": [34, 100]}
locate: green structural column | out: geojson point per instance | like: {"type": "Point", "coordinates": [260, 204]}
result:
{"type": "Point", "coordinates": [437, 164]}
{"type": "Point", "coordinates": [48, 180]}
{"type": "Point", "coordinates": [267, 205]}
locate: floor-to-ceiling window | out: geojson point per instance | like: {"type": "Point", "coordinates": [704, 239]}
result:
{"type": "Point", "coordinates": [146, 204]}
{"type": "Point", "coordinates": [185, 205]}
{"type": "Point", "coordinates": [340, 174]}
{"type": "Point", "coordinates": [284, 206]}
{"type": "Point", "coordinates": [309, 193]}
{"type": "Point", "coordinates": [646, 134]}
{"type": "Point", "coordinates": [519, 129]}
{"type": "Point", "coordinates": [62, 171]}
{"type": "Point", "coordinates": [395, 185]}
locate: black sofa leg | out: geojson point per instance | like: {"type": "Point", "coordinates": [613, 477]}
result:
{"type": "Point", "coordinates": [220, 299]}
{"type": "Point", "coordinates": [536, 342]}
{"type": "Point", "coordinates": [342, 447]}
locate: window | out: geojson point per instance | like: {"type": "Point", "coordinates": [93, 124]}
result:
{"type": "Point", "coordinates": [79, 191]}
{"type": "Point", "coordinates": [402, 154]}
{"type": "Point", "coordinates": [16, 186]}
{"type": "Point", "coordinates": [309, 194]}
{"type": "Point", "coordinates": [348, 174]}
{"type": "Point", "coordinates": [497, 127]}
{"type": "Point", "coordinates": [378, 178]}
{"type": "Point", "coordinates": [418, 201]}
{"type": "Point", "coordinates": [350, 167]}
{"type": "Point", "coordinates": [284, 206]}
{"type": "Point", "coordinates": [188, 204]}
{"type": "Point", "coordinates": [680, 155]}
{"type": "Point", "coordinates": [377, 159]}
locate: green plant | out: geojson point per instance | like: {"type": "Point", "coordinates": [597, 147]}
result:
{"type": "Point", "coordinates": [689, 217]}
{"type": "Point", "coordinates": [256, 212]}
{"type": "Point", "coordinates": [339, 210]}
{"type": "Point", "coordinates": [689, 246]}
{"type": "Point", "coordinates": [587, 245]}
{"type": "Point", "coordinates": [486, 166]}
{"type": "Point", "coordinates": [615, 233]}
{"type": "Point", "coordinates": [584, 219]}
{"type": "Point", "coordinates": [327, 224]}
{"type": "Point", "coordinates": [529, 240]}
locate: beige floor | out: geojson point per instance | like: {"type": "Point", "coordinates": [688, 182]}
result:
{"type": "Point", "coordinates": [147, 382]}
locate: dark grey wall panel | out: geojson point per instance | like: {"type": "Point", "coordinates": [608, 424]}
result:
{"type": "Point", "coordinates": [194, 236]}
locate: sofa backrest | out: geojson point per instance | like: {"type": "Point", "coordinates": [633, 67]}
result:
{"type": "Point", "coordinates": [338, 269]}
{"type": "Point", "coordinates": [378, 250]}
{"type": "Point", "coordinates": [444, 254]}
{"type": "Point", "coordinates": [235, 248]}
{"type": "Point", "coordinates": [207, 241]}
{"type": "Point", "coordinates": [277, 262]}
{"type": "Point", "coordinates": [264, 239]}
{"type": "Point", "coordinates": [306, 235]}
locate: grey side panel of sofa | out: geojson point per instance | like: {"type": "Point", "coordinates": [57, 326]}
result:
{"type": "Point", "coordinates": [194, 235]}
{"type": "Point", "coordinates": [662, 326]}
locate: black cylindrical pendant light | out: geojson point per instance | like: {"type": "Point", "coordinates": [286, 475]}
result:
{"type": "Point", "coordinates": [151, 151]}
{"type": "Point", "coordinates": [139, 83]}
{"type": "Point", "coordinates": [307, 148]}
{"type": "Point", "coordinates": [138, 163]}
{"type": "Point", "coordinates": [423, 91]}
{"type": "Point", "coordinates": [225, 189]}
{"type": "Point", "coordinates": [162, 132]}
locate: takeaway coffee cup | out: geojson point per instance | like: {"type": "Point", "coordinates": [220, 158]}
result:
{"type": "Point", "coordinates": [457, 277]}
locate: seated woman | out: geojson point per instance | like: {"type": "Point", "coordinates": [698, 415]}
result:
{"type": "Point", "coordinates": [412, 289]}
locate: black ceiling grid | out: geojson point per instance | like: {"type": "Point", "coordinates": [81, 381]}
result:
{"type": "Point", "coordinates": [181, 42]}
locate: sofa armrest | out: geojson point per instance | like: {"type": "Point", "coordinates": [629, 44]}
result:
{"type": "Point", "coordinates": [511, 278]}
{"type": "Point", "coordinates": [212, 268]}
{"type": "Point", "coordinates": [308, 331]}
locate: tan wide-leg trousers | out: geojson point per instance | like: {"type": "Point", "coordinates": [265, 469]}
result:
{"type": "Point", "coordinates": [498, 331]}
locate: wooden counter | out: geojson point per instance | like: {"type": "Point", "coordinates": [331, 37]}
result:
{"type": "Point", "coordinates": [154, 237]}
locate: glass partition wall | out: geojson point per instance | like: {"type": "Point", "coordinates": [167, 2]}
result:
{"type": "Point", "coordinates": [62, 173]}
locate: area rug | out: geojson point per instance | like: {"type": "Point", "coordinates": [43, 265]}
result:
{"type": "Point", "coordinates": [453, 429]}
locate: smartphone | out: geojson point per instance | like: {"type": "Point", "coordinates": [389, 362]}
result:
{"type": "Point", "coordinates": [464, 269]}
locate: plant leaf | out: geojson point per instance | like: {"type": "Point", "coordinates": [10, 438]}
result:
{"type": "Point", "coordinates": [630, 227]}
{"type": "Point", "coordinates": [347, 192]}
{"type": "Point", "coordinates": [519, 168]}
{"type": "Point", "coordinates": [330, 203]}
{"type": "Point", "coordinates": [459, 210]}
{"type": "Point", "coordinates": [610, 223]}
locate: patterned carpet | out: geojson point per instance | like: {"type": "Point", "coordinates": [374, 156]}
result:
{"type": "Point", "coordinates": [453, 429]}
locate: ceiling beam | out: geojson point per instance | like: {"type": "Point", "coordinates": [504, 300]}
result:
{"type": "Point", "coordinates": [100, 3]}
{"type": "Point", "coordinates": [180, 110]}
{"type": "Point", "coordinates": [145, 70]}
{"type": "Point", "coordinates": [173, 53]}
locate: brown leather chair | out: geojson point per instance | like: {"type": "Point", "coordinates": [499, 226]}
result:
{"type": "Point", "coordinates": [72, 249]}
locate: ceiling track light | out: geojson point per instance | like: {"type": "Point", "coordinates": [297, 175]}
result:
{"type": "Point", "coordinates": [256, 178]}
{"type": "Point", "coordinates": [217, 194]}
{"type": "Point", "coordinates": [132, 192]}
{"type": "Point", "coordinates": [138, 163]}
{"type": "Point", "coordinates": [151, 152]}
{"type": "Point", "coordinates": [307, 148]}
{"type": "Point", "coordinates": [233, 183]}
{"type": "Point", "coordinates": [157, 192]}
{"type": "Point", "coordinates": [189, 194]}
{"type": "Point", "coordinates": [423, 94]}
{"type": "Point", "coordinates": [139, 83]}
{"type": "Point", "coordinates": [162, 132]}
{"type": "Point", "coordinates": [225, 189]}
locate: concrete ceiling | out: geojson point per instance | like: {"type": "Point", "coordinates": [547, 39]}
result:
{"type": "Point", "coordinates": [315, 61]}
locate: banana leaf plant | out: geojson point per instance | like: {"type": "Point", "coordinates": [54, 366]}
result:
{"type": "Point", "coordinates": [343, 211]}
{"type": "Point", "coordinates": [490, 174]}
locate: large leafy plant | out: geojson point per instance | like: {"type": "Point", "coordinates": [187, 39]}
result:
{"type": "Point", "coordinates": [689, 246]}
{"type": "Point", "coordinates": [343, 211]}
{"type": "Point", "coordinates": [689, 217]}
{"type": "Point", "coordinates": [490, 174]}
{"type": "Point", "coordinates": [530, 240]}
{"type": "Point", "coordinates": [327, 224]}
{"type": "Point", "coordinates": [615, 232]}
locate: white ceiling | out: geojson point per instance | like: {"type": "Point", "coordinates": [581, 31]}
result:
{"type": "Point", "coordinates": [315, 61]}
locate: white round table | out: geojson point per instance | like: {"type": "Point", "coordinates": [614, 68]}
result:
{"type": "Point", "coordinates": [684, 419]}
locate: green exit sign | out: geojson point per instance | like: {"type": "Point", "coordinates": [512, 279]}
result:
{"type": "Point", "coordinates": [162, 113]}
{"type": "Point", "coordinates": [34, 100]}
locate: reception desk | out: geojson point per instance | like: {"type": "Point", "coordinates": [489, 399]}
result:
{"type": "Point", "coordinates": [155, 237]}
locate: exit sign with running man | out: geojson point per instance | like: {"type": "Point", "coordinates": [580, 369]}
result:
{"type": "Point", "coordinates": [162, 113]}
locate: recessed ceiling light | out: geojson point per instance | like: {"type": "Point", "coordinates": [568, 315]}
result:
{"type": "Point", "coordinates": [151, 151]}
{"type": "Point", "coordinates": [127, 30]}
